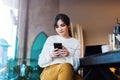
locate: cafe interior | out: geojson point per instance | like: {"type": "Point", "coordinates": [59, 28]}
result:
{"type": "Point", "coordinates": [26, 24]}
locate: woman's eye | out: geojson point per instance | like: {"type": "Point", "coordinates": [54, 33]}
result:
{"type": "Point", "coordinates": [62, 25]}
{"type": "Point", "coordinates": [56, 26]}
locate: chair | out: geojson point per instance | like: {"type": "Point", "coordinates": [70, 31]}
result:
{"type": "Point", "coordinates": [37, 46]}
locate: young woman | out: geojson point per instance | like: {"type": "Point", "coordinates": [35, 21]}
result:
{"type": "Point", "coordinates": [60, 63]}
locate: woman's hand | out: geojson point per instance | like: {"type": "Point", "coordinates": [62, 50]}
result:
{"type": "Point", "coordinates": [64, 52]}
{"type": "Point", "coordinates": [55, 53]}
{"type": "Point", "coordinates": [60, 52]}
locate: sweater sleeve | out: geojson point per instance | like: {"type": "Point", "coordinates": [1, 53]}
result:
{"type": "Point", "coordinates": [44, 57]}
{"type": "Point", "coordinates": [74, 59]}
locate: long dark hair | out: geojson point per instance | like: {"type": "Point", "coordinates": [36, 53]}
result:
{"type": "Point", "coordinates": [65, 19]}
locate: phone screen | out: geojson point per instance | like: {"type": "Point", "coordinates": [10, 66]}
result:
{"type": "Point", "coordinates": [58, 45]}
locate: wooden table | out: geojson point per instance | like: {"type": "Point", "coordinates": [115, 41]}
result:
{"type": "Point", "coordinates": [101, 63]}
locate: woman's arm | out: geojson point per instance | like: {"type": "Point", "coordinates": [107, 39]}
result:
{"type": "Point", "coordinates": [44, 57]}
{"type": "Point", "coordinates": [74, 57]}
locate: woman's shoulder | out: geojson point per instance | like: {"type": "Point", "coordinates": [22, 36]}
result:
{"type": "Point", "coordinates": [52, 37]}
{"type": "Point", "coordinates": [75, 40]}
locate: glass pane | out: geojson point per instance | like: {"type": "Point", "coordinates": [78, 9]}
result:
{"type": "Point", "coordinates": [8, 32]}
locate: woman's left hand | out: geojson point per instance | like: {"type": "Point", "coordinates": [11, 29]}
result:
{"type": "Point", "coordinates": [64, 52]}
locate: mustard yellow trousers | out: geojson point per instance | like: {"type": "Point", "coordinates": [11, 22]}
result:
{"type": "Point", "coordinates": [59, 72]}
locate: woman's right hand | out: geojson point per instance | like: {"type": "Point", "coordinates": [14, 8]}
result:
{"type": "Point", "coordinates": [55, 53]}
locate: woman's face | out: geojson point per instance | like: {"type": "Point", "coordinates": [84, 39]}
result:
{"type": "Point", "coordinates": [62, 28]}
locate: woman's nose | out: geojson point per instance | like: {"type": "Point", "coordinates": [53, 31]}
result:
{"type": "Point", "coordinates": [60, 28]}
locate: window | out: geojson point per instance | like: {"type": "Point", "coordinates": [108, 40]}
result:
{"type": "Point", "coordinates": [8, 25]}
{"type": "Point", "coordinates": [8, 31]}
